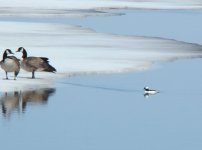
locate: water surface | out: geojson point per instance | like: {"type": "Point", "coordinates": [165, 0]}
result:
{"type": "Point", "coordinates": [110, 112]}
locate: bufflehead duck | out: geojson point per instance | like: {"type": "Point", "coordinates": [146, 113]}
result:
{"type": "Point", "coordinates": [33, 64]}
{"type": "Point", "coordinates": [149, 91]}
{"type": "Point", "coordinates": [10, 63]}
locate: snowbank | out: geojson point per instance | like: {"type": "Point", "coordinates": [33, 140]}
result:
{"type": "Point", "coordinates": [87, 7]}
{"type": "Point", "coordinates": [74, 50]}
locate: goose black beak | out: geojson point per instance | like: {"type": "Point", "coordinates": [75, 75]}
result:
{"type": "Point", "coordinates": [10, 52]}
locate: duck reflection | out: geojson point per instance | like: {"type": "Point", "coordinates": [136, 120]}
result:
{"type": "Point", "coordinates": [18, 101]}
{"type": "Point", "coordinates": [146, 95]}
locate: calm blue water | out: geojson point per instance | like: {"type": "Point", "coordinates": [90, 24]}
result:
{"type": "Point", "coordinates": [178, 24]}
{"type": "Point", "coordinates": [110, 112]}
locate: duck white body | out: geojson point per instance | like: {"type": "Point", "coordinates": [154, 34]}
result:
{"type": "Point", "coordinates": [149, 91]}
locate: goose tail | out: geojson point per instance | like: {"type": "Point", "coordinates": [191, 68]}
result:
{"type": "Point", "coordinates": [50, 68]}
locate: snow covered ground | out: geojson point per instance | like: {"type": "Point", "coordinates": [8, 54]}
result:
{"type": "Point", "coordinates": [74, 50]}
{"type": "Point", "coordinates": [98, 4]}
{"type": "Point", "coordinates": [87, 7]}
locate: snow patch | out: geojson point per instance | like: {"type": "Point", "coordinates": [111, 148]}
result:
{"type": "Point", "coordinates": [74, 50]}
{"type": "Point", "coordinates": [87, 7]}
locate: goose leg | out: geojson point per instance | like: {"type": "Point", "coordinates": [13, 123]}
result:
{"type": "Point", "coordinates": [15, 74]}
{"type": "Point", "coordinates": [6, 75]}
{"type": "Point", "coordinates": [33, 76]}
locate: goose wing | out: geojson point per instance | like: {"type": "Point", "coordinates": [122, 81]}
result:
{"type": "Point", "coordinates": [37, 63]}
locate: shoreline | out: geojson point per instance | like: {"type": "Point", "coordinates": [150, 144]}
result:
{"type": "Point", "coordinates": [40, 82]}
{"type": "Point", "coordinates": [86, 51]}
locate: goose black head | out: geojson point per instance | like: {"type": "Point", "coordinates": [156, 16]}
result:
{"type": "Point", "coordinates": [8, 51]}
{"type": "Point", "coordinates": [20, 49]}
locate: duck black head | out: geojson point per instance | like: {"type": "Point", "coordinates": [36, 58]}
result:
{"type": "Point", "coordinates": [21, 49]}
{"type": "Point", "coordinates": [146, 88]}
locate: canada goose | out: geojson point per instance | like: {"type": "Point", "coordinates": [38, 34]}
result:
{"type": "Point", "coordinates": [10, 63]}
{"type": "Point", "coordinates": [32, 64]}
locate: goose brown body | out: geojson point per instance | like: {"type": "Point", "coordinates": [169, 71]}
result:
{"type": "Point", "coordinates": [33, 64]}
{"type": "Point", "coordinates": [10, 63]}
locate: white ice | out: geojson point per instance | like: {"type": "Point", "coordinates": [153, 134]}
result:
{"type": "Point", "coordinates": [74, 50]}
{"type": "Point", "coordinates": [87, 7]}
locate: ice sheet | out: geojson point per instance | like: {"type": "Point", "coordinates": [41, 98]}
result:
{"type": "Point", "coordinates": [87, 7]}
{"type": "Point", "coordinates": [74, 50]}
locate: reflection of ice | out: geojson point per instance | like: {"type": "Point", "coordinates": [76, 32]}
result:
{"type": "Point", "coordinates": [17, 101]}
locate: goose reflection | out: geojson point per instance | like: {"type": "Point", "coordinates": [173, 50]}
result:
{"type": "Point", "coordinates": [9, 103]}
{"type": "Point", "coordinates": [17, 101]}
{"type": "Point", "coordinates": [36, 97]}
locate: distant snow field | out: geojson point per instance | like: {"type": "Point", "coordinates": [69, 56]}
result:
{"type": "Point", "coordinates": [87, 7]}
{"type": "Point", "coordinates": [74, 50]}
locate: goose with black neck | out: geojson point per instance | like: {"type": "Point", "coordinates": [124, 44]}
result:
{"type": "Point", "coordinates": [33, 64]}
{"type": "Point", "coordinates": [10, 63]}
